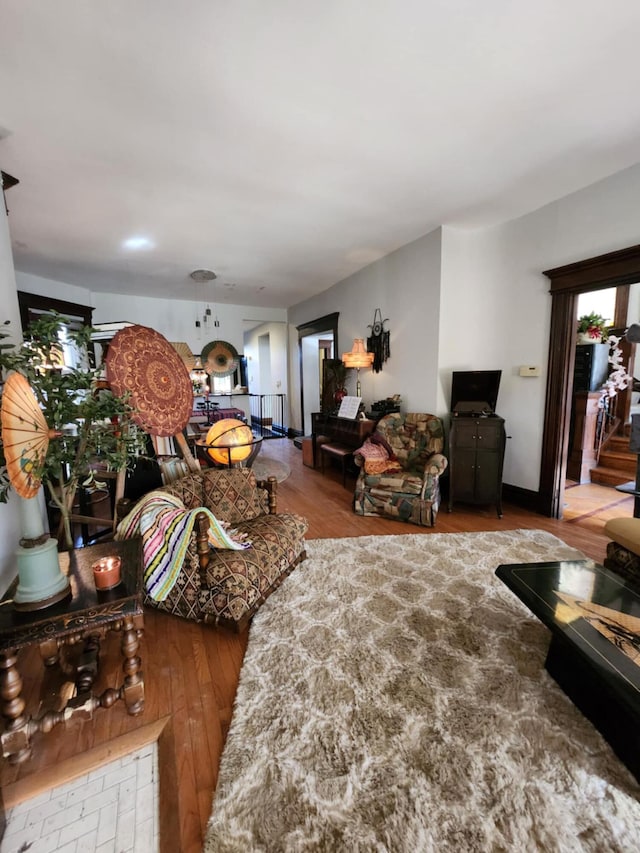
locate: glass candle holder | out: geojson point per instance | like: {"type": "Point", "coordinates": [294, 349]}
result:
{"type": "Point", "coordinates": [106, 572]}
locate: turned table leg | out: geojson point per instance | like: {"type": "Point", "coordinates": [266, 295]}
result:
{"type": "Point", "coordinates": [16, 739]}
{"type": "Point", "coordinates": [87, 668]}
{"type": "Point", "coordinates": [132, 690]}
{"type": "Point", "coordinates": [49, 652]}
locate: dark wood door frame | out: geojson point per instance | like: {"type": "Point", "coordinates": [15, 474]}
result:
{"type": "Point", "coordinates": [31, 306]}
{"type": "Point", "coordinates": [611, 270]}
{"type": "Point", "coordinates": [328, 323]}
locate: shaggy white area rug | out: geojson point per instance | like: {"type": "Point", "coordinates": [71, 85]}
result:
{"type": "Point", "coordinates": [394, 698]}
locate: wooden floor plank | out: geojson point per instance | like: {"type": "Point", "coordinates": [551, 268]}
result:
{"type": "Point", "coordinates": [191, 672]}
{"type": "Point", "coordinates": [186, 760]}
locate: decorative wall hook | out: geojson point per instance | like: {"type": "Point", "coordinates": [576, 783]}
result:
{"type": "Point", "coordinates": [378, 341]}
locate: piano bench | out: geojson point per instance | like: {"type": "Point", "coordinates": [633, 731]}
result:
{"type": "Point", "coordinates": [338, 451]}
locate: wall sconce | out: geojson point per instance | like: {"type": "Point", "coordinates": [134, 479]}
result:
{"type": "Point", "coordinates": [358, 357]}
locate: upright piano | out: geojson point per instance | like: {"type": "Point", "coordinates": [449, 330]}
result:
{"type": "Point", "coordinates": [346, 431]}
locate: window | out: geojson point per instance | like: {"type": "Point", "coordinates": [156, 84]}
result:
{"type": "Point", "coordinates": [33, 306]}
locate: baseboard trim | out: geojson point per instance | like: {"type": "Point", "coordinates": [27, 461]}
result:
{"type": "Point", "coordinates": [524, 498]}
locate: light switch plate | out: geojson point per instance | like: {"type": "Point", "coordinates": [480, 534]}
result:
{"type": "Point", "coordinates": [529, 371]}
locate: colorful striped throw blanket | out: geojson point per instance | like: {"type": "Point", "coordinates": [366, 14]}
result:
{"type": "Point", "coordinates": [165, 526]}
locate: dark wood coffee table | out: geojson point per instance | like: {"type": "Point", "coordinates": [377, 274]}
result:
{"type": "Point", "coordinates": [594, 655]}
{"type": "Point", "coordinates": [84, 617]}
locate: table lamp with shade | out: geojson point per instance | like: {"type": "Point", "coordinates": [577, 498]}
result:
{"type": "Point", "coordinates": [358, 357]}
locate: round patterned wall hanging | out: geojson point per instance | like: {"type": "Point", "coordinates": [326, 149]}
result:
{"type": "Point", "coordinates": [219, 358]}
{"type": "Point", "coordinates": [142, 362]}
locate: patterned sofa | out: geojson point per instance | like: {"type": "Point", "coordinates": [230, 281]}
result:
{"type": "Point", "coordinates": [226, 587]}
{"type": "Point", "coordinates": [400, 467]}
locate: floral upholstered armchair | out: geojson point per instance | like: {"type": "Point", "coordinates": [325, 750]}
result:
{"type": "Point", "coordinates": [400, 467]}
{"type": "Point", "coordinates": [214, 547]}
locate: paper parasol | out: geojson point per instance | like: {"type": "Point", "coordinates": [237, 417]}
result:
{"type": "Point", "coordinates": [219, 358]}
{"type": "Point", "coordinates": [185, 354]}
{"type": "Point", "coordinates": [25, 435]}
{"type": "Point", "coordinates": [142, 362]}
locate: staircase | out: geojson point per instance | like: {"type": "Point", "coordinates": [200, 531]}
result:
{"type": "Point", "coordinates": [617, 464]}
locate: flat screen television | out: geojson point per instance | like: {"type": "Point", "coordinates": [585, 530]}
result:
{"type": "Point", "coordinates": [477, 386]}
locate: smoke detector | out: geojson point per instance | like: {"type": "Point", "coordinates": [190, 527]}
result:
{"type": "Point", "coordinates": [203, 275]}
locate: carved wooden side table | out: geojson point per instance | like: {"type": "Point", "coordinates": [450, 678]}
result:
{"type": "Point", "coordinates": [83, 617]}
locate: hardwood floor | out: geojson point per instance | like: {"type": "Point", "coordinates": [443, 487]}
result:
{"type": "Point", "coordinates": [191, 672]}
{"type": "Point", "coordinates": [590, 505]}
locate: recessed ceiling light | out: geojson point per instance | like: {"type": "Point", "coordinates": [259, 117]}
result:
{"type": "Point", "coordinates": [203, 275]}
{"type": "Point", "coordinates": [138, 242]}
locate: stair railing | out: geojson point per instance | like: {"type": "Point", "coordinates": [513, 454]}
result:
{"type": "Point", "coordinates": [608, 423]}
{"type": "Point", "coordinates": [618, 380]}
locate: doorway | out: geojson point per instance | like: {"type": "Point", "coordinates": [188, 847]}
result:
{"type": "Point", "coordinates": [615, 269]}
{"type": "Point", "coordinates": [315, 340]}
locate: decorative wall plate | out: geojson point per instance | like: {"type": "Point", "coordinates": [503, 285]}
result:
{"type": "Point", "coordinates": [219, 358]}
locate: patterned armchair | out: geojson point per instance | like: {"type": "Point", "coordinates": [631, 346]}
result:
{"type": "Point", "coordinates": [215, 584]}
{"type": "Point", "coordinates": [401, 464]}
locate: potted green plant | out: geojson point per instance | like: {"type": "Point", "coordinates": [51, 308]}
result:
{"type": "Point", "coordinates": [91, 424]}
{"type": "Point", "coordinates": [591, 329]}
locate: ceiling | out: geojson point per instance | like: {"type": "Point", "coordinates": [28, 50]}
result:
{"type": "Point", "coordinates": [286, 144]}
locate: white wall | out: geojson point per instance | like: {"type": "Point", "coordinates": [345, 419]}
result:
{"type": "Point", "coordinates": [175, 318]}
{"type": "Point", "coordinates": [311, 378]}
{"type": "Point", "coordinates": [9, 519]}
{"type": "Point", "coordinates": [454, 300]}
{"type": "Point", "coordinates": [405, 286]}
{"type": "Point", "coordinates": [293, 376]}
{"type": "Point", "coordinates": [55, 289]}
{"type": "Point", "coordinates": [497, 313]}
{"type": "Point", "coordinates": [276, 382]}
{"type": "Point", "coordinates": [496, 316]}
{"type": "Point", "coordinates": [460, 300]}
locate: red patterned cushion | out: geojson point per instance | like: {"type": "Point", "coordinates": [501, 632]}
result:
{"type": "Point", "coordinates": [376, 438]}
{"type": "Point", "coordinates": [371, 450]}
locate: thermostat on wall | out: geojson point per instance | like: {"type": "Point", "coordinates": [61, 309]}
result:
{"type": "Point", "coordinates": [529, 371]}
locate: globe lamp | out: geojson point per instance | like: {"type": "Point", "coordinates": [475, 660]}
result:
{"type": "Point", "coordinates": [229, 441]}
